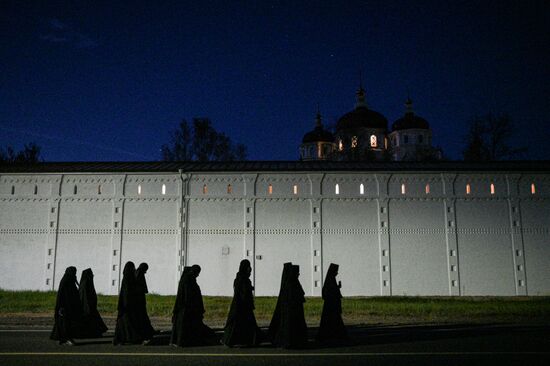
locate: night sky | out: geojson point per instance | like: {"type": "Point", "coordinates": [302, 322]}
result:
{"type": "Point", "coordinates": [94, 80]}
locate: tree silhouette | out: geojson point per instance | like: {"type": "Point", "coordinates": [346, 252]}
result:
{"type": "Point", "coordinates": [201, 142]}
{"type": "Point", "coordinates": [30, 154]}
{"type": "Point", "coordinates": [489, 139]}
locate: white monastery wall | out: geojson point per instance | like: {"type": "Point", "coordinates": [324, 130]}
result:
{"type": "Point", "coordinates": [414, 233]}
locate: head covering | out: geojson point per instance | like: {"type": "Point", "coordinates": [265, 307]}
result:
{"type": "Point", "coordinates": [129, 270]}
{"type": "Point", "coordinates": [332, 270]}
{"type": "Point", "coordinates": [244, 268]}
{"type": "Point", "coordinates": [140, 277]}
{"type": "Point", "coordinates": [196, 269]}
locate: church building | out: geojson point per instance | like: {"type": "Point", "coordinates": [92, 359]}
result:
{"type": "Point", "coordinates": [362, 135]}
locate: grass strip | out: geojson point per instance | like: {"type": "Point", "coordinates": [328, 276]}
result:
{"type": "Point", "coordinates": [355, 309]}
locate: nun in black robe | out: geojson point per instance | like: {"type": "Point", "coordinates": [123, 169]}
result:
{"type": "Point", "coordinates": [93, 325]}
{"type": "Point", "coordinates": [188, 323]}
{"type": "Point", "coordinates": [275, 323]}
{"type": "Point", "coordinates": [68, 310]}
{"type": "Point", "coordinates": [128, 328]}
{"type": "Point", "coordinates": [332, 329]}
{"type": "Point", "coordinates": [176, 338]}
{"type": "Point", "coordinates": [293, 328]}
{"type": "Point", "coordinates": [147, 328]}
{"type": "Point", "coordinates": [241, 327]}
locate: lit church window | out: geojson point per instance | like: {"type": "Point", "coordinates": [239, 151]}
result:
{"type": "Point", "coordinates": [229, 189]}
{"type": "Point", "coordinates": [340, 145]}
{"type": "Point", "coordinates": [354, 141]}
{"type": "Point", "coordinates": [373, 142]}
{"type": "Point", "coordinates": [319, 151]}
{"type": "Point", "coordinates": [403, 189]}
{"type": "Point", "coordinates": [533, 191]}
{"type": "Point", "coordinates": [295, 189]}
{"type": "Point", "coordinates": [427, 189]}
{"type": "Point", "coordinates": [468, 189]}
{"type": "Point", "coordinates": [361, 189]}
{"type": "Point", "coordinates": [163, 189]}
{"type": "Point", "coordinates": [337, 189]}
{"type": "Point", "coordinates": [270, 189]}
{"type": "Point", "coordinates": [492, 188]}
{"type": "Point", "coordinates": [139, 189]}
{"type": "Point", "coordinates": [204, 189]}
{"type": "Point", "coordinates": [385, 142]}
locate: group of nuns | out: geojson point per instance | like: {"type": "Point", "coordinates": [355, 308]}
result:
{"type": "Point", "coordinates": [76, 314]}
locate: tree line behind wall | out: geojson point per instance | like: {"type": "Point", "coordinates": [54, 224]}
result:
{"type": "Point", "coordinates": [488, 138]}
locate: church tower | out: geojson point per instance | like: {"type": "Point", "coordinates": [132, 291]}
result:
{"type": "Point", "coordinates": [317, 144]}
{"type": "Point", "coordinates": [411, 137]}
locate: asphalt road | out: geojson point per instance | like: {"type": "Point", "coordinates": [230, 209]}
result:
{"type": "Point", "coordinates": [387, 345]}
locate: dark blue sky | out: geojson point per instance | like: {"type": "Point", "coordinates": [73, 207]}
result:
{"type": "Point", "coordinates": [94, 80]}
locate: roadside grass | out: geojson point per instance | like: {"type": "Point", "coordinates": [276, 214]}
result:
{"type": "Point", "coordinates": [356, 310]}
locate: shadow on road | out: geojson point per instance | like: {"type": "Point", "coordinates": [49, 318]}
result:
{"type": "Point", "coordinates": [373, 335]}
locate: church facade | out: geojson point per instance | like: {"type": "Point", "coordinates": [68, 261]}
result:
{"type": "Point", "coordinates": [395, 228]}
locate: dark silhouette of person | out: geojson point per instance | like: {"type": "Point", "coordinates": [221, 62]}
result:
{"type": "Point", "coordinates": [241, 327]}
{"type": "Point", "coordinates": [93, 325]}
{"type": "Point", "coordinates": [68, 310]}
{"type": "Point", "coordinates": [293, 329]}
{"type": "Point", "coordinates": [332, 328]}
{"type": "Point", "coordinates": [144, 321]}
{"type": "Point", "coordinates": [275, 323]}
{"type": "Point", "coordinates": [190, 329]}
{"type": "Point", "coordinates": [178, 327]}
{"type": "Point", "coordinates": [128, 329]}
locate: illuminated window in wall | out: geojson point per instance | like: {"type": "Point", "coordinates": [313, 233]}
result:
{"type": "Point", "coordinates": [139, 189]}
{"type": "Point", "coordinates": [427, 189]}
{"type": "Point", "coordinates": [163, 190]}
{"type": "Point", "coordinates": [385, 142]}
{"type": "Point", "coordinates": [373, 141]}
{"type": "Point", "coordinates": [229, 189]}
{"type": "Point", "coordinates": [533, 191]}
{"type": "Point", "coordinates": [295, 189]}
{"type": "Point", "coordinates": [354, 142]}
{"type": "Point", "coordinates": [492, 188]}
{"type": "Point", "coordinates": [337, 189]}
{"type": "Point", "coordinates": [468, 189]}
{"type": "Point", "coordinates": [361, 189]}
{"type": "Point", "coordinates": [340, 145]}
{"type": "Point", "coordinates": [319, 151]}
{"type": "Point", "coordinates": [204, 189]}
{"type": "Point", "coordinates": [270, 189]}
{"type": "Point", "coordinates": [403, 188]}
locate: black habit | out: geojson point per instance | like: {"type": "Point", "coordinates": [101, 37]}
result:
{"type": "Point", "coordinates": [188, 320]}
{"type": "Point", "coordinates": [177, 314]}
{"type": "Point", "coordinates": [275, 323]}
{"type": "Point", "coordinates": [128, 328]}
{"type": "Point", "coordinates": [293, 328]}
{"type": "Point", "coordinates": [147, 328]}
{"type": "Point", "coordinates": [332, 327]}
{"type": "Point", "coordinates": [93, 325]}
{"type": "Point", "coordinates": [68, 310]}
{"type": "Point", "coordinates": [241, 327]}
